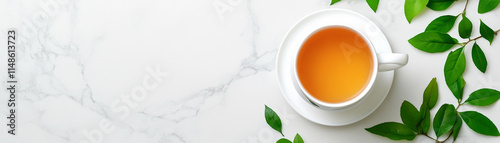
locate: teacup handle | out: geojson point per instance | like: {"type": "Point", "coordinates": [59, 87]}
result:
{"type": "Point", "coordinates": [391, 61]}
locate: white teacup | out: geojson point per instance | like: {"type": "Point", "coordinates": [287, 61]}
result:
{"type": "Point", "coordinates": [380, 62]}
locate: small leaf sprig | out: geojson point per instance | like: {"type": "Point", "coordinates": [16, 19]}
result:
{"type": "Point", "coordinates": [448, 119]}
{"type": "Point", "coordinates": [435, 39]}
{"type": "Point", "coordinates": [274, 121]}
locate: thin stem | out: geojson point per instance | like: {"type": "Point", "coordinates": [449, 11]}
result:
{"type": "Point", "coordinates": [460, 104]}
{"type": "Point", "coordinates": [470, 40]}
{"type": "Point", "coordinates": [451, 133]}
{"type": "Point", "coordinates": [465, 8]}
{"type": "Point", "coordinates": [430, 137]}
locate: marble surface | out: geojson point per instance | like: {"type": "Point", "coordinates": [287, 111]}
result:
{"type": "Point", "coordinates": [197, 71]}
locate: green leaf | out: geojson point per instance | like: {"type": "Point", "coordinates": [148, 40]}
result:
{"type": "Point", "coordinates": [464, 27]}
{"type": "Point", "coordinates": [431, 94]}
{"type": "Point", "coordinates": [483, 97]}
{"type": "Point", "coordinates": [444, 119]}
{"type": "Point", "coordinates": [486, 32]}
{"type": "Point", "coordinates": [430, 97]}
{"type": "Point", "coordinates": [334, 1]}
{"type": "Point", "coordinates": [273, 119]}
{"type": "Point", "coordinates": [373, 4]}
{"type": "Point", "coordinates": [433, 42]}
{"type": "Point", "coordinates": [457, 127]}
{"type": "Point", "coordinates": [298, 139]}
{"type": "Point", "coordinates": [479, 123]}
{"type": "Point", "coordinates": [457, 88]}
{"type": "Point", "coordinates": [410, 115]}
{"type": "Point", "coordinates": [478, 58]}
{"type": "Point", "coordinates": [487, 5]}
{"type": "Point", "coordinates": [454, 66]}
{"type": "Point", "coordinates": [439, 5]}
{"type": "Point", "coordinates": [393, 131]}
{"type": "Point", "coordinates": [283, 140]}
{"type": "Point", "coordinates": [442, 24]}
{"type": "Point", "coordinates": [425, 120]}
{"type": "Point", "coordinates": [413, 8]}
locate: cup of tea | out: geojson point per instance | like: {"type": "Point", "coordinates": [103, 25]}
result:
{"type": "Point", "coordinates": [336, 66]}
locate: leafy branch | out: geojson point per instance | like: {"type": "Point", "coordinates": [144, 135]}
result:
{"type": "Point", "coordinates": [435, 39]}
{"type": "Point", "coordinates": [448, 119]}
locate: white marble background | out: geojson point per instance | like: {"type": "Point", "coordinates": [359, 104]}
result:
{"type": "Point", "coordinates": [196, 71]}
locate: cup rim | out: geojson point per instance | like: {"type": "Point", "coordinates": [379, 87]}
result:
{"type": "Point", "coordinates": [361, 95]}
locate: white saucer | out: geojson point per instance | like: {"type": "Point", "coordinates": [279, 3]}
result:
{"type": "Point", "coordinates": [293, 40]}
